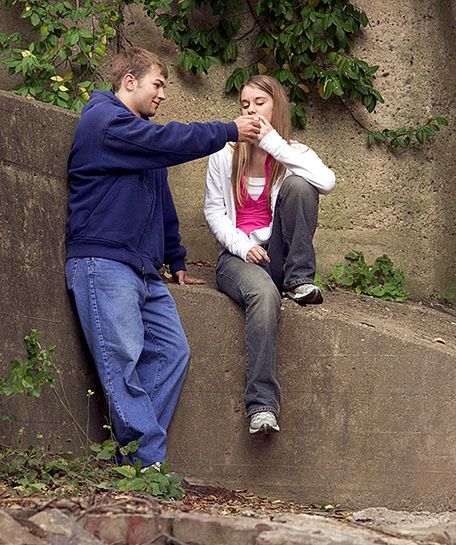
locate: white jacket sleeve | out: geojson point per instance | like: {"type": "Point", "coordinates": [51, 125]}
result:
{"type": "Point", "coordinates": [300, 160]}
{"type": "Point", "coordinates": [215, 212]}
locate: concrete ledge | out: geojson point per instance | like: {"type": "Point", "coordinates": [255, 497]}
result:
{"type": "Point", "coordinates": [367, 403]}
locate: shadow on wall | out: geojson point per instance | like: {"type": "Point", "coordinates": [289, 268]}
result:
{"type": "Point", "coordinates": [445, 272]}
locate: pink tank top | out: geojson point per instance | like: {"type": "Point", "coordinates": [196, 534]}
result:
{"type": "Point", "coordinates": [255, 214]}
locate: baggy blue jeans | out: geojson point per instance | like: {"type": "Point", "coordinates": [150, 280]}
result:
{"type": "Point", "coordinates": [258, 287]}
{"type": "Point", "coordinates": [138, 345]}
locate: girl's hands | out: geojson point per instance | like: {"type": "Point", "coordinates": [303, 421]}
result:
{"type": "Point", "coordinates": [265, 128]}
{"type": "Point", "coordinates": [257, 255]}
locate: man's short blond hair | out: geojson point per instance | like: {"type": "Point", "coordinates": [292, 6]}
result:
{"type": "Point", "coordinates": [137, 62]}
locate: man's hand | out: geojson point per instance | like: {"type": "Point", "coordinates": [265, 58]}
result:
{"type": "Point", "coordinates": [265, 128]}
{"type": "Point", "coordinates": [181, 278]}
{"type": "Point", "coordinates": [257, 254]}
{"type": "Point", "coordinates": [248, 128]}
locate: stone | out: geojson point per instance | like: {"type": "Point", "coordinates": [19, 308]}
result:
{"type": "Point", "coordinates": [315, 530]}
{"type": "Point", "coordinates": [202, 529]}
{"type": "Point", "coordinates": [128, 529]}
{"type": "Point", "coordinates": [13, 533]}
{"type": "Point", "coordinates": [425, 526]}
{"type": "Point", "coordinates": [62, 529]}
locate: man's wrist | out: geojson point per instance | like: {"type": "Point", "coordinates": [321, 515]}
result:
{"type": "Point", "coordinates": [232, 132]}
{"type": "Point", "coordinates": [177, 266]}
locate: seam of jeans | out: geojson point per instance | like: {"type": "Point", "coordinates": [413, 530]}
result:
{"type": "Point", "coordinates": [74, 270]}
{"type": "Point", "coordinates": [160, 362]}
{"type": "Point", "coordinates": [297, 283]}
{"type": "Point", "coordinates": [112, 396]}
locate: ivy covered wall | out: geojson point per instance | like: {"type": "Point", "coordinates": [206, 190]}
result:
{"type": "Point", "coordinates": [401, 203]}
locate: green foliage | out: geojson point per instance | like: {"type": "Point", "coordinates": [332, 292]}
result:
{"type": "Point", "coordinates": [305, 45]}
{"type": "Point", "coordinates": [448, 296]}
{"type": "Point", "coordinates": [302, 44]}
{"type": "Point", "coordinates": [401, 138]}
{"type": "Point", "coordinates": [29, 377]}
{"type": "Point", "coordinates": [381, 279]}
{"type": "Point", "coordinates": [156, 482]}
{"type": "Point", "coordinates": [36, 470]}
{"type": "Point", "coordinates": [60, 57]}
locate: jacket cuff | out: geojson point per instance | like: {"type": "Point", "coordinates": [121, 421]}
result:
{"type": "Point", "coordinates": [271, 142]}
{"type": "Point", "coordinates": [232, 132]}
{"type": "Point", "coordinates": [246, 249]}
{"type": "Point", "coordinates": [178, 265]}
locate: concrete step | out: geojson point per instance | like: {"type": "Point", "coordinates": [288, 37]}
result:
{"type": "Point", "coordinates": [368, 392]}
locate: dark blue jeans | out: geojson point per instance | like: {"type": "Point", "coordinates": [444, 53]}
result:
{"type": "Point", "coordinates": [291, 247]}
{"type": "Point", "coordinates": [258, 287]}
{"type": "Point", "coordinates": [140, 350]}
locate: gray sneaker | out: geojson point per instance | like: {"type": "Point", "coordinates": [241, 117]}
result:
{"type": "Point", "coordinates": [263, 422]}
{"type": "Point", "coordinates": [306, 294]}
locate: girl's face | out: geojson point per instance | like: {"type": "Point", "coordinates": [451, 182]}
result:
{"type": "Point", "coordinates": [254, 101]}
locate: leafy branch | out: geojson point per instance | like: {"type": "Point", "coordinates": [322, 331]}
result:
{"type": "Point", "coordinates": [60, 57]}
{"type": "Point", "coordinates": [305, 45]}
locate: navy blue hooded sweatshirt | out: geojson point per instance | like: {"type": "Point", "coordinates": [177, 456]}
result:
{"type": "Point", "coordinates": [120, 204]}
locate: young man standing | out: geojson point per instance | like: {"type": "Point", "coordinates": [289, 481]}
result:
{"type": "Point", "coordinates": [122, 227]}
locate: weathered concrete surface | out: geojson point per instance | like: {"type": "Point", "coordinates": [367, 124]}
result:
{"type": "Point", "coordinates": [368, 389]}
{"type": "Point", "coordinates": [367, 398]}
{"type": "Point", "coordinates": [34, 146]}
{"type": "Point", "coordinates": [399, 203]}
{"type": "Point", "coordinates": [167, 525]}
{"type": "Point", "coordinates": [423, 526]}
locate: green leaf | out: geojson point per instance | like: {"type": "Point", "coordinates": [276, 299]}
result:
{"type": "Point", "coordinates": [441, 121]}
{"type": "Point", "coordinates": [105, 454]}
{"type": "Point", "coordinates": [125, 471]}
{"type": "Point", "coordinates": [5, 418]}
{"type": "Point", "coordinates": [84, 33]}
{"type": "Point", "coordinates": [137, 484]}
{"type": "Point", "coordinates": [129, 448]}
{"type": "Point", "coordinates": [35, 20]}
{"type": "Point", "coordinates": [420, 136]}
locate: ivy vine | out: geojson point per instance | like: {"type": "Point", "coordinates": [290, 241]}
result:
{"type": "Point", "coordinates": [304, 44]}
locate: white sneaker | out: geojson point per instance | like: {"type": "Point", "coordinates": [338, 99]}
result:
{"type": "Point", "coordinates": [263, 422]}
{"type": "Point", "coordinates": [306, 294]}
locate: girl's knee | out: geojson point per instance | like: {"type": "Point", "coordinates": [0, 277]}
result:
{"type": "Point", "coordinates": [298, 187]}
{"type": "Point", "coordinates": [268, 297]}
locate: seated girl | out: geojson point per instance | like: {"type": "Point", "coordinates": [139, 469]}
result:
{"type": "Point", "coordinates": [262, 205]}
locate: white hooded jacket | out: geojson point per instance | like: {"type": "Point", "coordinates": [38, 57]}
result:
{"type": "Point", "coordinates": [219, 207]}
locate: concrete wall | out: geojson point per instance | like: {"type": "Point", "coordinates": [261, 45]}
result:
{"type": "Point", "coordinates": [399, 203]}
{"type": "Point", "coordinates": [34, 145]}
{"type": "Point", "coordinates": [367, 403]}
{"type": "Point", "coordinates": [368, 387]}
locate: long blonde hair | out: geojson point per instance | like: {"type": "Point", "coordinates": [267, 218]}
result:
{"type": "Point", "coordinates": [282, 124]}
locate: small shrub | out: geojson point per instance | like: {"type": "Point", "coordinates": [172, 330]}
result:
{"type": "Point", "coordinates": [380, 279]}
